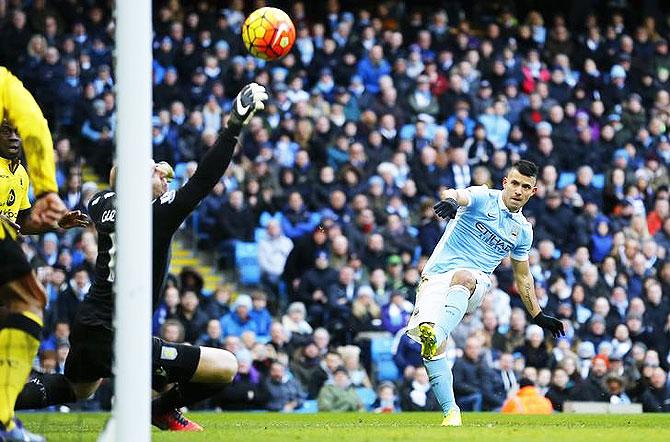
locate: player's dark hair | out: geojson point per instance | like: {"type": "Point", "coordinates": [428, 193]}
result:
{"type": "Point", "coordinates": [527, 168]}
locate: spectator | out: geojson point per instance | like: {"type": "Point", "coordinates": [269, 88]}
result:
{"type": "Point", "coordinates": [527, 401]}
{"type": "Point", "coordinates": [469, 373]}
{"type": "Point", "coordinates": [593, 388]}
{"type": "Point", "coordinates": [217, 304]}
{"type": "Point", "coordinates": [247, 391]}
{"type": "Point", "coordinates": [387, 399]}
{"type": "Point", "coordinates": [416, 394]}
{"type": "Point", "coordinates": [314, 286]}
{"type": "Point", "coordinates": [212, 336]}
{"type": "Point", "coordinates": [534, 350]}
{"type": "Point", "coordinates": [260, 315]}
{"type": "Point", "coordinates": [191, 316]}
{"type": "Point", "coordinates": [340, 395]}
{"type": "Point", "coordinates": [71, 297]}
{"type": "Point", "coordinates": [560, 390]}
{"type": "Point", "coordinates": [284, 393]}
{"type": "Point", "coordinates": [396, 313]}
{"type": "Point", "coordinates": [294, 322]}
{"type": "Point", "coordinates": [307, 370]}
{"type": "Point", "coordinates": [172, 331]}
{"type": "Point", "coordinates": [238, 320]}
{"type": "Point", "coordinates": [273, 251]}
{"type": "Point", "coordinates": [656, 397]}
{"type": "Point", "coordinates": [365, 312]}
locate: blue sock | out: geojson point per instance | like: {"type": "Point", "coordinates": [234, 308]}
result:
{"type": "Point", "coordinates": [441, 381]}
{"type": "Point", "coordinates": [439, 373]}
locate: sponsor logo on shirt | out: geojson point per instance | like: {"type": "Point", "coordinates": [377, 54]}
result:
{"type": "Point", "coordinates": [492, 239]}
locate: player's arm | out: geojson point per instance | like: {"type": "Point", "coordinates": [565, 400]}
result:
{"type": "Point", "coordinates": [452, 199]}
{"type": "Point", "coordinates": [216, 160]}
{"type": "Point", "coordinates": [525, 285]}
{"type": "Point", "coordinates": [23, 112]}
{"type": "Point", "coordinates": [70, 220]}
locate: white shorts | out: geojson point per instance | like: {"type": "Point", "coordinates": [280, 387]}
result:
{"type": "Point", "coordinates": [432, 293]}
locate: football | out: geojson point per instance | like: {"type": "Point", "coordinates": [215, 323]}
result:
{"type": "Point", "coordinates": [268, 33]}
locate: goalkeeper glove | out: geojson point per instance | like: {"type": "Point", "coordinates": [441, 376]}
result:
{"type": "Point", "coordinates": [550, 323]}
{"type": "Point", "coordinates": [446, 208]}
{"type": "Point", "coordinates": [249, 101]}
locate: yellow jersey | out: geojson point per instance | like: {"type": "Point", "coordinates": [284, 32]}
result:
{"type": "Point", "coordinates": [13, 189]}
{"type": "Point", "coordinates": [21, 109]}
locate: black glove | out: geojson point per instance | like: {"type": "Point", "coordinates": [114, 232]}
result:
{"type": "Point", "coordinates": [446, 208]}
{"type": "Point", "coordinates": [250, 100]}
{"type": "Point", "coordinates": [550, 323]}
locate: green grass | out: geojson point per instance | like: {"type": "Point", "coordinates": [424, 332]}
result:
{"type": "Point", "coordinates": [347, 427]}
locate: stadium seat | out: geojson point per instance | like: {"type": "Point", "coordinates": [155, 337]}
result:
{"type": "Point", "coordinates": [598, 181]}
{"type": "Point", "coordinates": [381, 347]}
{"type": "Point", "coordinates": [259, 234]}
{"type": "Point", "coordinates": [310, 406]}
{"type": "Point", "coordinates": [367, 396]}
{"type": "Point", "coordinates": [246, 261]}
{"type": "Point", "coordinates": [565, 179]}
{"type": "Point", "coordinates": [387, 371]}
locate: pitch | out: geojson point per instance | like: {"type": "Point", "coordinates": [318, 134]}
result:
{"type": "Point", "coordinates": [403, 427]}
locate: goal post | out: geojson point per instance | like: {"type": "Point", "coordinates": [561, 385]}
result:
{"type": "Point", "coordinates": [132, 345]}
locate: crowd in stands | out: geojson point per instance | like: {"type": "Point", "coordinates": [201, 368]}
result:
{"type": "Point", "coordinates": [373, 113]}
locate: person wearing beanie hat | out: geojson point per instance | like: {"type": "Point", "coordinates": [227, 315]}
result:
{"type": "Point", "coordinates": [593, 388]}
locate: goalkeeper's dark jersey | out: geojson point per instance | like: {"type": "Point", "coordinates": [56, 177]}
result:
{"type": "Point", "coordinates": [169, 212]}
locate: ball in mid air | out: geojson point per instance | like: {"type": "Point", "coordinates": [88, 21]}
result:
{"type": "Point", "coordinates": [268, 33]}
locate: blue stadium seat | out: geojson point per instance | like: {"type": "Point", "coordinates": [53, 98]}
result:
{"type": "Point", "coordinates": [598, 181]}
{"type": "Point", "coordinates": [246, 262]}
{"type": "Point", "coordinates": [259, 234]}
{"type": "Point", "coordinates": [381, 347]}
{"type": "Point", "coordinates": [387, 371]}
{"type": "Point", "coordinates": [565, 179]}
{"type": "Point", "coordinates": [308, 407]}
{"type": "Point", "coordinates": [367, 396]}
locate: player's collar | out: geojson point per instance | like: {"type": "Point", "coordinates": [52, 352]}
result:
{"type": "Point", "coordinates": [12, 165]}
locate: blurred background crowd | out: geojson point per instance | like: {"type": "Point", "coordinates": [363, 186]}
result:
{"type": "Point", "coordinates": [324, 220]}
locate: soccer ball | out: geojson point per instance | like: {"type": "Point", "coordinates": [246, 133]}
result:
{"type": "Point", "coordinates": [268, 33]}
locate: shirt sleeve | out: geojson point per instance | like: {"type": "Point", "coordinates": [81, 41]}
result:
{"type": "Point", "coordinates": [172, 208]}
{"type": "Point", "coordinates": [522, 247]}
{"type": "Point", "coordinates": [478, 196]}
{"type": "Point", "coordinates": [23, 111]}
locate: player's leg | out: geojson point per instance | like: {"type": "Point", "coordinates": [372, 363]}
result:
{"type": "Point", "coordinates": [24, 299]}
{"type": "Point", "coordinates": [444, 314]}
{"type": "Point", "coordinates": [193, 373]}
{"type": "Point", "coordinates": [87, 363]}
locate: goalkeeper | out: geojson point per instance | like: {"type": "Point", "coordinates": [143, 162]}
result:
{"type": "Point", "coordinates": [194, 373]}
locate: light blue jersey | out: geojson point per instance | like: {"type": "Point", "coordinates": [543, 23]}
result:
{"type": "Point", "coordinates": [481, 235]}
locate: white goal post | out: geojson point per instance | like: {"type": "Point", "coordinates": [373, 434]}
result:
{"type": "Point", "coordinates": [132, 345]}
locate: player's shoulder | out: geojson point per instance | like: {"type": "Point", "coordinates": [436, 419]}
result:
{"type": "Point", "coordinates": [525, 224]}
{"type": "Point", "coordinates": [21, 171]}
{"type": "Point", "coordinates": [100, 203]}
{"type": "Point", "coordinates": [482, 195]}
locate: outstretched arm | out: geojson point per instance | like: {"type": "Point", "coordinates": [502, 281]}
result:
{"type": "Point", "coordinates": [525, 285]}
{"type": "Point", "coordinates": [214, 163]}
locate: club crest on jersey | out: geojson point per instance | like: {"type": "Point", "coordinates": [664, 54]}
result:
{"type": "Point", "coordinates": [168, 353]}
{"type": "Point", "coordinates": [12, 197]}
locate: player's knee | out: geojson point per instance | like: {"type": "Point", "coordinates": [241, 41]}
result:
{"type": "Point", "coordinates": [464, 278]}
{"type": "Point", "coordinates": [216, 365]}
{"type": "Point", "coordinates": [228, 366]}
